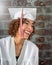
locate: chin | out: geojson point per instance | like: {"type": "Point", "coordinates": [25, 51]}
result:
{"type": "Point", "coordinates": [26, 37]}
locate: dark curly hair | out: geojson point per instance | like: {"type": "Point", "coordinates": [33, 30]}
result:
{"type": "Point", "coordinates": [14, 25]}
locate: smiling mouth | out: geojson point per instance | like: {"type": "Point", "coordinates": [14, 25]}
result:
{"type": "Point", "coordinates": [27, 32]}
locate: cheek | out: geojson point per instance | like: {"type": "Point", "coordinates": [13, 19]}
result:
{"type": "Point", "coordinates": [32, 30]}
{"type": "Point", "coordinates": [24, 26]}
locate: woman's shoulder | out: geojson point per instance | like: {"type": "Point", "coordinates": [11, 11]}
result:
{"type": "Point", "coordinates": [31, 44]}
{"type": "Point", "coordinates": [5, 39]}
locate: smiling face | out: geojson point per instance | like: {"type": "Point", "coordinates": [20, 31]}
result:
{"type": "Point", "coordinates": [27, 28]}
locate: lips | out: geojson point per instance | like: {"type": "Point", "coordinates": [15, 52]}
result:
{"type": "Point", "coordinates": [27, 32]}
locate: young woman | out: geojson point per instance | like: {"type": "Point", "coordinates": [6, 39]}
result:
{"type": "Point", "coordinates": [18, 50]}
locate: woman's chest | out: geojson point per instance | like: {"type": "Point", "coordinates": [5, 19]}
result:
{"type": "Point", "coordinates": [18, 49]}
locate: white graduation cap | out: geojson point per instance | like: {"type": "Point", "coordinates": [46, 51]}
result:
{"type": "Point", "coordinates": [29, 13]}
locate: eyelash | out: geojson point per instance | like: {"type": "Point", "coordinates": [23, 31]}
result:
{"type": "Point", "coordinates": [33, 26]}
{"type": "Point", "coordinates": [27, 23]}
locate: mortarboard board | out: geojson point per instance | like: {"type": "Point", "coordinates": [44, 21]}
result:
{"type": "Point", "coordinates": [29, 13]}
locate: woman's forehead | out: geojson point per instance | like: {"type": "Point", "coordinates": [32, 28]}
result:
{"type": "Point", "coordinates": [30, 21]}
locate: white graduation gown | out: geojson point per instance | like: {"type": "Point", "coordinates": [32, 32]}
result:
{"type": "Point", "coordinates": [28, 56]}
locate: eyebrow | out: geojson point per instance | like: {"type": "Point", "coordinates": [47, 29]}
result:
{"type": "Point", "coordinates": [29, 21]}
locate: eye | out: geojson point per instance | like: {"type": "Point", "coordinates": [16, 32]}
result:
{"type": "Point", "coordinates": [26, 22]}
{"type": "Point", "coordinates": [32, 26]}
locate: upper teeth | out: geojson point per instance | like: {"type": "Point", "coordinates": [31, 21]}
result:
{"type": "Point", "coordinates": [27, 32]}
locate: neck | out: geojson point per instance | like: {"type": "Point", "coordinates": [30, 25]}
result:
{"type": "Point", "coordinates": [18, 40]}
